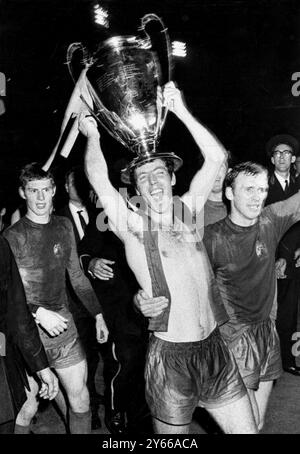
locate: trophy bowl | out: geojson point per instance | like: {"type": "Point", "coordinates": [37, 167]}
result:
{"type": "Point", "coordinates": [122, 78]}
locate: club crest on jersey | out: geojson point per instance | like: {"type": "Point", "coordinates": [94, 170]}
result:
{"type": "Point", "coordinates": [57, 249]}
{"type": "Point", "coordinates": [261, 249]}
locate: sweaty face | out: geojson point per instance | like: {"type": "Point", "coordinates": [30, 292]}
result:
{"type": "Point", "coordinates": [38, 195]}
{"type": "Point", "coordinates": [218, 184]}
{"type": "Point", "coordinates": [247, 197]}
{"type": "Point", "coordinates": [154, 184]}
{"type": "Point", "coordinates": [282, 157]}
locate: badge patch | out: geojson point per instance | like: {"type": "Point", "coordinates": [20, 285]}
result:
{"type": "Point", "coordinates": [261, 249]}
{"type": "Point", "coordinates": [57, 249]}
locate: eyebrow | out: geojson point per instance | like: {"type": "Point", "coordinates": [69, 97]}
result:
{"type": "Point", "coordinates": [155, 168]}
{"type": "Point", "coordinates": [44, 187]}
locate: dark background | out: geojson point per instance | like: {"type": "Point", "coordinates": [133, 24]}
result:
{"type": "Point", "coordinates": [236, 78]}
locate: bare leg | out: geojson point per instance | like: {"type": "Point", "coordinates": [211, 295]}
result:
{"type": "Point", "coordinates": [74, 379]}
{"type": "Point", "coordinates": [163, 428]}
{"type": "Point", "coordinates": [236, 417]}
{"type": "Point", "coordinates": [252, 397]}
{"type": "Point", "coordinates": [28, 409]}
{"type": "Point", "coordinates": [262, 396]}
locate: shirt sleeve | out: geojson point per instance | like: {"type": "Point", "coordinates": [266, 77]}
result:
{"type": "Point", "coordinates": [23, 326]}
{"type": "Point", "coordinates": [80, 282]}
{"type": "Point", "coordinates": [284, 214]}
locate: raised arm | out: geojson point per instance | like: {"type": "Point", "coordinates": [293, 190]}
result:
{"type": "Point", "coordinates": [97, 173]}
{"type": "Point", "coordinates": [212, 150]}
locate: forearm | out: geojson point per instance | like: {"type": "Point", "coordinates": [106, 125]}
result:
{"type": "Point", "coordinates": [83, 289]}
{"type": "Point", "coordinates": [211, 148]}
{"type": "Point", "coordinates": [95, 164]}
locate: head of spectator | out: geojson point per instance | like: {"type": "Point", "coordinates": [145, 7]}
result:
{"type": "Point", "coordinates": [77, 186]}
{"type": "Point", "coordinates": [217, 190]}
{"type": "Point", "coordinates": [282, 150]}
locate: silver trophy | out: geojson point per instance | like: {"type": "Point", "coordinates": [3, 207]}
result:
{"type": "Point", "coordinates": [122, 78]}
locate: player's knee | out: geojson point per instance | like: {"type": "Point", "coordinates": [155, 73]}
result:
{"type": "Point", "coordinates": [79, 397]}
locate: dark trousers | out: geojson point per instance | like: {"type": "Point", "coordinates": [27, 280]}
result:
{"type": "Point", "coordinates": [124, 358]}
{"type": "Point", "coordinates": [288, 295]}
{"type": "Point", "coordinates": [124, 362]}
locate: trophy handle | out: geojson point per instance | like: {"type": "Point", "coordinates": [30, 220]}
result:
{"type": "Point", "coordinates": [161, 46]}
{"type": "Point", "coordinates": [77, 59]}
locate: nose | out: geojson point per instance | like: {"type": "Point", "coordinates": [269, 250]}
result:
{"type": "Point", "coordinates": [256, 196]}
{"type": "Point", "coordinates": [152, 178]}
{"type": "Point", "coordinates": [41, 195]}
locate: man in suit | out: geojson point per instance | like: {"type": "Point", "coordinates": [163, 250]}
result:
{"type": "Point", "coordinates": [282, 151]}
{"type": "Point", "coordinates": [21, 349]}
{"type": "Point", "coordinates": [79, 211]}
{"type": "Point", "coordinates": [77, 188]}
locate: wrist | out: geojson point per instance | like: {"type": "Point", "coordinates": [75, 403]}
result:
{"type": "Point", "coordinates": [94, 135]}
{"type": "Point", "coordinates": [38, 314]}
{"type": "Point", "coordinates": [184, 114]}
{"type": "Point", "coordinates": [91, 267]}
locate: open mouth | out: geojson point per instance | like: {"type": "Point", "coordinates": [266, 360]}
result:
{"type": "Point", "coordinates": [157, 194]}
{"type": "Point", "coordinates": [41, 206]}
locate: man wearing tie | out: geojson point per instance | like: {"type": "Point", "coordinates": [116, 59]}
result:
{"type": "Point", "coordinates": [80, 213]}
{"type": "Point", "coordinates": [77, 189]}
{"type": "Point", "coordinates": [282, 151]}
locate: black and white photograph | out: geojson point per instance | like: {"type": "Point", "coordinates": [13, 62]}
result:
{"type": "Point", "coordinates": [149, 220]}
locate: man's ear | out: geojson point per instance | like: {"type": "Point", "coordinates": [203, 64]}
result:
{"type": "Point", "coordinates": [272, 160]}
{"type": "Point", "coordinates": [22, 193]}
{"type": "Point", "coordinates": [67, 188]}
{"type": "Point", "coordinates": [229, 193]}
{"type": "Point", "coordinates": [293, 158]}
{"type": "Point", "coordinates": [173, 179]}
{"type": "Point", "coordinates": [54, 190]}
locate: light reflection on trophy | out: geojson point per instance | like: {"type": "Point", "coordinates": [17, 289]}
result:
{"type": "Point", "coordinates": [122, 78]}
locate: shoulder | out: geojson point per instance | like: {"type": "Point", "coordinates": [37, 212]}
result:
{"type": "Point", "coordinates": [62, 221]}
{"type": "Point", "coordinates": [15, 230]}
{"type": "Point", "coordinates": [214, 231]}
{"type": "Point", "coordinates": [216, 227]}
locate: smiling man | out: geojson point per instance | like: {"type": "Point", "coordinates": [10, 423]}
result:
{"type": "Point", "coordinates": [242, 250]}
{"type": "Point", "coordinates": [188, 363]}
{"type": "Point", "coordinates": [44, 248]}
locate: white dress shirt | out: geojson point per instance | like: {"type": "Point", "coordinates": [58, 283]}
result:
{"type": "Point", "coordinates": [74, 211]}
{"type": "Point", "coordinates": [282, 180]}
